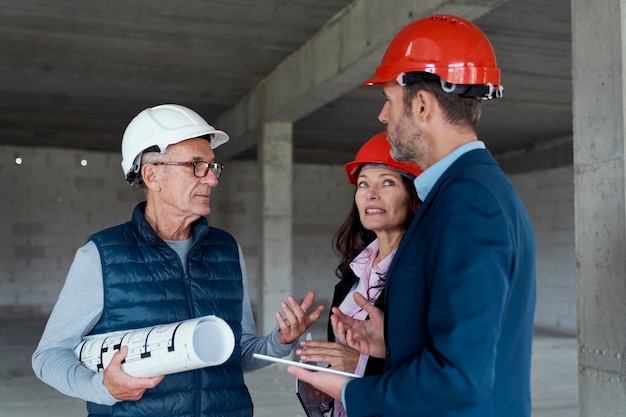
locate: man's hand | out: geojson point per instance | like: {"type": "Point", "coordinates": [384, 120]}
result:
{"type": "Point", "coordinates": [338, 356]}
{"type": "Point", "coordinates": [366, 336]}
{"type": "Point", "coordinates": [296, 320]}
{"type": "Point", "coordinates": [328, 383]}
{"type": "Point", "coordinates": [123, 386]}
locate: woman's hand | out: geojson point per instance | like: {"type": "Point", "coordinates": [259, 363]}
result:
{"type": "Point", "coordinates": [338, 356]}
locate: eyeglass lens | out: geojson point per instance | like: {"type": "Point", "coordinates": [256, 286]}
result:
{"type": "Point", "coordinates": [201, 168]}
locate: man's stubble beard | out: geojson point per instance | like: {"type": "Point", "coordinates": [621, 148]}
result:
{"type": "Point", "coordinates": [407, 143]}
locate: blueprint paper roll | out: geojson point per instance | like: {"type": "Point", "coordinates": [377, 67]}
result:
{"type": "Point", "coordinates": [209, 348]}
{"type": "Point", "coordinates": [162, 349]}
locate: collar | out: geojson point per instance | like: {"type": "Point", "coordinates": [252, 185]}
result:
{"type": "Point", "coordinates": [427, 179]}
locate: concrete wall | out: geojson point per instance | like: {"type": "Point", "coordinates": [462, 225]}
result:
{"type": "Point", "coordinates": [322, 198]}
{"type": "Point", "coordinates": [50, 204]}
{"type": "Point", "coordinates": [549, 199]}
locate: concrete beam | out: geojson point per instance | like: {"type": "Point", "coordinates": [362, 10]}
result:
{"type": "Point", "coordinates": [344, 53]}
{"type": "Point", "coordinates": [542, 155]}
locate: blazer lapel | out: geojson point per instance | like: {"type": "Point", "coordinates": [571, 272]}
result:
{"type": "Point", "coordinates": [477, 156]}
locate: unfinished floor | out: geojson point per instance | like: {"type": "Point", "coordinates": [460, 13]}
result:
{"type": "Point", "coordinates": [554, 379]}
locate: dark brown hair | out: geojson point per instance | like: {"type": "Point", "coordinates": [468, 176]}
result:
{"type": "Point", "coordinates": [459, 111]}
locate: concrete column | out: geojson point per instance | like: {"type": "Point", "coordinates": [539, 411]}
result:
{"type": "Point", "coordinates": [598, 80]}
{"type": "Point", "coordinates": [275, 162]}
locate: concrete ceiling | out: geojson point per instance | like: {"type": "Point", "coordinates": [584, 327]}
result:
{"type": "Point", "coordinates": [74, 72]}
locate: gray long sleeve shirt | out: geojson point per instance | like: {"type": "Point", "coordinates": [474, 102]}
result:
{"type": "Point", "coordinates": [79, 308]}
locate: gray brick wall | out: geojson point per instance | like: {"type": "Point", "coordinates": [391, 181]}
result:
{"type": "Point", "coordinates": [322, 197]}
{"type": "Point", "coordinates": [549, 199]}
{"type": "Point", "coordinates": [50, 204]}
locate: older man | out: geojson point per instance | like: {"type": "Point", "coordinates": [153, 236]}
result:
{"type": "Point", "coordinates": [164, 265]}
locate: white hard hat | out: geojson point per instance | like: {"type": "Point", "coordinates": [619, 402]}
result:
{"type": "Point", "coordinates": [160, 127]}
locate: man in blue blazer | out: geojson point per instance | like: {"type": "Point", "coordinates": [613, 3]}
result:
{"type": "Point", "coordinates": [457, 328]}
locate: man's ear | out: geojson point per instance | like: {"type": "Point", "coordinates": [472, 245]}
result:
{"type": "Point", "coordinates": [150, 176]}
{"type": "Point", "coordinates": [423, 105]}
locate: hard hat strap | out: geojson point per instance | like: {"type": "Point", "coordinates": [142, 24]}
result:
{"type": "Point", "coordinates": [481, 92]}
{"type": "Point", "coordinates": [478, 91]}
{"type": "Point", "coordinates": [135, 171]}
{"type": "Point", "coordinates": [413, 77]}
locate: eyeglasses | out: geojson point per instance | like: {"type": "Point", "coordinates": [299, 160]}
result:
{"type": "Point", "coordinates": [200, 168]}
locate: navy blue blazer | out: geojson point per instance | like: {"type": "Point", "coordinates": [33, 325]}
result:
{"type": "Point", "coordinates": [459, 305]}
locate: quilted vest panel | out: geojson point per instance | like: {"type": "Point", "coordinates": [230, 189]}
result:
{"type": "Point", "coordinates": [145, 284]}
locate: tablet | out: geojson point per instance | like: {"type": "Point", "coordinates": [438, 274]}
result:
{"type": "Point", "coordinates": [304, 365]}
{"type": "Point", "coordinates": [312, 406]}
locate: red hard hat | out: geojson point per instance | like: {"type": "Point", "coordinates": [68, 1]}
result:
{"type": "Point", "coordinates": [448, 46]}
{"type": "Point", "coordinates": [376, 151]}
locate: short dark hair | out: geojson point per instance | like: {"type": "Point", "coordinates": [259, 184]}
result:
{"type": "Point", "coordinates": [459, 111]}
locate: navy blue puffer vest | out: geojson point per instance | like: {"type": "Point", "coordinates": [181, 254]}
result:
{"type": "Point", "coordinates": [145, 284]}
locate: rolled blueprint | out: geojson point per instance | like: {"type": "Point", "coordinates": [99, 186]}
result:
{"type": "Point", "coordinates": [162, 349]}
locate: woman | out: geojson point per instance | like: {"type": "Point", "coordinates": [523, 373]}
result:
{"type": "Point", "coordinates": [385, 202]}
